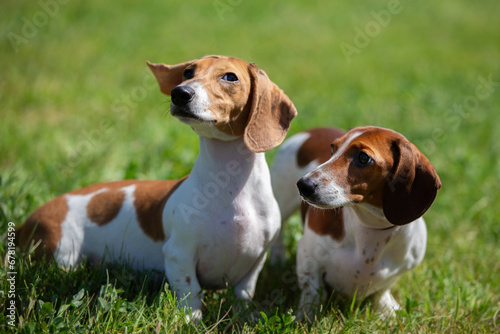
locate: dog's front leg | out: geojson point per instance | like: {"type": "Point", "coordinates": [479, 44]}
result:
{"type": "Point", "coordinates": [245, 288]}
{"type": "Point", "coordinates": [384, 303]}
{"type": "Point", "coordinates": [311, 297]}
{"type": "Point", "coordinates": [180, 270]}
{"type": "Point", "coordinates": [310, 282]}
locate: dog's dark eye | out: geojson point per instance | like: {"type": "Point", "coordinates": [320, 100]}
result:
{"type": "Point", "coordinates": [333, 150]}
{"type": "Point", "coordinates": [363, 159]}
{"type": "Point", "coordinates": [230, 77]}
{"type": "Point", "coordinates": [188, 73]}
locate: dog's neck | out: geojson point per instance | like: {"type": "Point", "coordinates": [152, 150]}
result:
{"type": "Point", "coordinates": [219, 157]}
{"type": "Point", "coordinates": [369, 217]}
{"type": "Point", "coordinates": [367, 229]}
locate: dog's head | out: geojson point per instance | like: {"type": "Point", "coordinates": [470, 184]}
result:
{"type": "Point", "coordinates": [378, 168]}
{"type": "Point", "coordinates": [225, 98]}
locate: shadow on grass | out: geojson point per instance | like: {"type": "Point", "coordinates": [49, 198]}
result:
{"type": "Point", "coordinates": [113, 297]}
{"type": "Point", "coordinates": [87, 296]}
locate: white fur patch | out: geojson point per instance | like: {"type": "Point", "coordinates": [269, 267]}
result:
{"type": "Point", "coordinates": [331, 195]}
{"type": "Point", "coordinates": [345, 145]}
{"type": "Point", "coordinates": [200, 105]}
{"type": "Point", "coordinates": [285, 173]}
{"type": "Point", "coordinates": [122, 239]}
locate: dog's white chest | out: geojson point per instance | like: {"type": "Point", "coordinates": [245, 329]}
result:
{"type": "Point", "coordinates": [227, 217]}
{"type": "Point", "coordinates": [361, 271]}
{"type": "Point", "coordinates": [229, 249]}
{"type": "Point", "coordinates": [366, 261]}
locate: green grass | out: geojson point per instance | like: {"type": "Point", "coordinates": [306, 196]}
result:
{"type": "Point", "coordinates": [78, 107]}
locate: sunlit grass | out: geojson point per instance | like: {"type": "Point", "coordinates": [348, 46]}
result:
{"type": "Point", "coordinates": [78, 107]}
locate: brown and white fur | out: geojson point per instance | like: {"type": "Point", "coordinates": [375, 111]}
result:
{"type": "Point", "coordinates": [364, 193]}
{"type": "Point", "coordinates": [210, 229]}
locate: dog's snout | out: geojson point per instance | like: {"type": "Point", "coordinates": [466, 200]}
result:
{"type": "Point", "coordinates": [307, 187]}
{"type": "Point", "coordinates": [182, 95]}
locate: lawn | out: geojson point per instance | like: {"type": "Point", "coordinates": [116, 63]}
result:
{"type": "Point", "coordinates": [78, 107]}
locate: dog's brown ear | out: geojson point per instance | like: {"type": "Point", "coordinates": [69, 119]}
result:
{"type": "Point", "coordinates": [271, 112]}
{"type": "Point", "coordinates": [168, 76]}
{"type": "Point", "coordinates": [412, 185]}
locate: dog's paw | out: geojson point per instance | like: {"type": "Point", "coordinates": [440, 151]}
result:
{"type": "Point", "coordinates": [194, 317]}
{"type": "Point", "coordinates": [306, 313]}
{"type": "Point", "coordinates": [385, 304]}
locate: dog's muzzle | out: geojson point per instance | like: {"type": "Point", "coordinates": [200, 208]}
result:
{"type": "Point", "coordinates": [182, 95]}
{"type": "Point", "coordinates": [307, 188]}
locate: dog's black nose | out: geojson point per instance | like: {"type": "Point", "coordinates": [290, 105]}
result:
{"type": "Point", "coordinates": [307, 187]}
{"type": "Point", "coordinates": [182, 95]}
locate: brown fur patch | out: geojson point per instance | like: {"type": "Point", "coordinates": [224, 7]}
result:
{"type": "Point", "coordinates": [150, 199]}
{"type": "Point", "coordinates": [44, 224]}
{"type": "Point", "coordinates": [105, 206]}
{"type": "Point", "coordinates": [317, 146]}
{"type": "Point", "coordinates": [270, 114]}
{"type": "Point", "coordinates": [230, 100]}
{"type": "Point", "coordinates": [324, 221]}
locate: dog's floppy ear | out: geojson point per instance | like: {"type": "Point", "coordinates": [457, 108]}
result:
{"type": "Point", "coordinates": [271, 112]}
{"type": "Point", "coordinates": [412, 185]}
{"type": "Point", "coordinates": [168, 76]}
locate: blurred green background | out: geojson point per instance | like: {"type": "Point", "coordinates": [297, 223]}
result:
{"type": "Point", "coordinates": [79, 106]}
